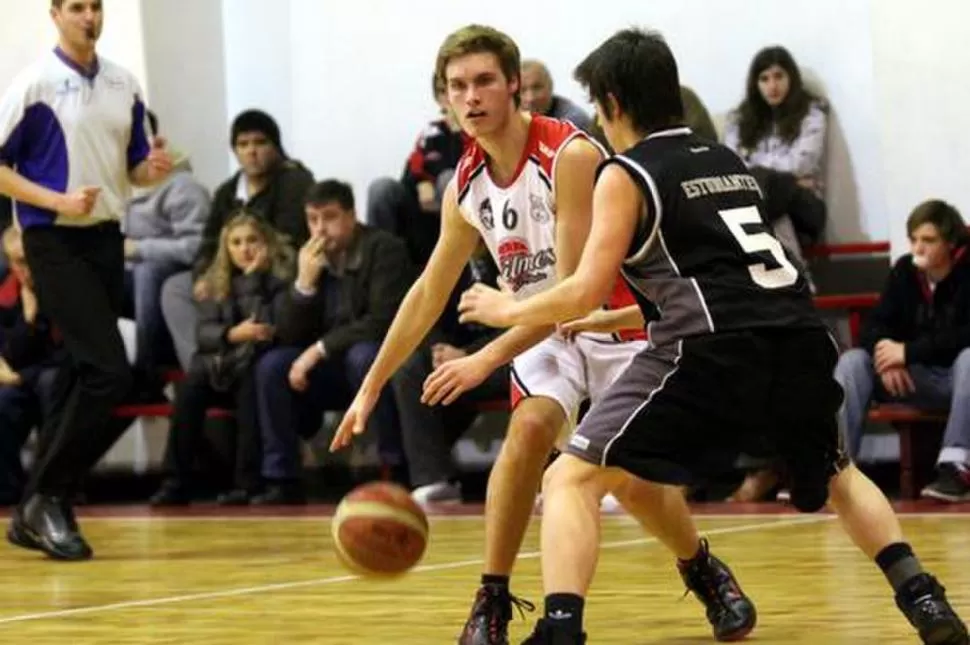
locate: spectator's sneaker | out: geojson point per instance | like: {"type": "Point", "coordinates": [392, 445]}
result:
{"type": "Point", "coordinates": [923, 601]}
{"type": "Point", "coordinates": [729, 611]}
{"type": "Point", "coordinates": [545, 635]}
{"type": "Point", "coordinates": [952, 484]}
{"type": "Point", "coordinates": [443, 492]}
{"type": "Point", "coordinates": [488, 623]}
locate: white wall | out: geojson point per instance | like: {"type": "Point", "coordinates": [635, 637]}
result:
{"type": "Point", "coordinates": [258, 64]}
{"type": "Point", "coordinates": [922, 65]}
{"type": "Point", "coordinates": [27, 31]}
{"type": "Point", "coordinates": [361, 73]}
{"type": "Point", "coordinates": [348, 81]}
{"type": "Point", "coordinates": [185, 61]}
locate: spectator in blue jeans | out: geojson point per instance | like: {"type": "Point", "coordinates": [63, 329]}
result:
{"type": "Point", "coordinates": [163, 232]}
{"type": "Point", "coordinates": [915, 345]}
{"type": "Point", "coordinates": [350, 280]}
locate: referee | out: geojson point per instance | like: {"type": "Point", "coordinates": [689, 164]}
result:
{"type": "Point", "coordinates": [73, 139]}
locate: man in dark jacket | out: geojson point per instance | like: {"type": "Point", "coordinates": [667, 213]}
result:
{"type": "Point", "coordinates": [430, 432]}
{"type": "Point", "coordinates": [268, 183]}
{"type": "Point", "coordinates": [350, 281]}
{"type": "Point", "coordinates": [915, 345]}
{"type": "Point", "coordinates": [30, 355]}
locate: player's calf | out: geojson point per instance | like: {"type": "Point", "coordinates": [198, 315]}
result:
{"type": "Point", "coordinates": [869, 520]}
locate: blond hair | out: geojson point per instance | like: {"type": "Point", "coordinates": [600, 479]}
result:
{"type": "Point", "coordinates": [278, 250]}
{"type": "Point", "coordinates": [478, 39]}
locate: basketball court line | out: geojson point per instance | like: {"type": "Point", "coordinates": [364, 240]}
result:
{"type": "Point", "coordinates": [319, 582]}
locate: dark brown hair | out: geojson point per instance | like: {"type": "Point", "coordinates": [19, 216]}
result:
{"type": "Point", "coordinates": [944, 217]}
{"type": "Point", "coordinates": [756, 118]}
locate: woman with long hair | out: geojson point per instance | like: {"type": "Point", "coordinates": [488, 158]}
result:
{"type": "Point", "coordinates": [780, 124]}
{"type": "Point", "coordinates": [247, 281]}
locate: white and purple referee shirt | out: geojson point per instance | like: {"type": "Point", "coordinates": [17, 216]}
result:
{"type": "Point", "coordinates": [65, 127]}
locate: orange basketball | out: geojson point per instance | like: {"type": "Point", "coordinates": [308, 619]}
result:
{"type": "Point", "coordinates": [378, 530]}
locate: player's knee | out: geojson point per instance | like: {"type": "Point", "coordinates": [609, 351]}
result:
{"type": "Point", "coordinates": [568, 471]}
{"type": "Point", "coordinates": [531, 433]}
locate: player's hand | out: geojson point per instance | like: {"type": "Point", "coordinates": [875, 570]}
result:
{"type": "Point", "coordinates": [597, 321]}
{"type": "Point", "coordinates": [485, 305]}
{"type": "Point", "coordinates": [442, 353]}
{"type": "Point", "coordinates": [898, 382]}
{"type": "Point", "coordinates": [300, 370]}
{"type": "Point", "coordinates": [355, 419]}
{"type": "Point", "coordinates": [454, 378]}
{"type": "Point", "coordinates": [78, 203]}
{"type": "Point", "coordinates": [889, 354]}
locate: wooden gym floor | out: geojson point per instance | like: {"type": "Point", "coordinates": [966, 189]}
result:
{"type": "Point", "coordinates": [245, 579]}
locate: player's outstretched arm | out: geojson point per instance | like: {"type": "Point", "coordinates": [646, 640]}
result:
{"type": "Point", "coordinates": [605, 321]}
{"type": "Point", "coordinates": [617, 207]}
{"type": "Point", "coordinates": [420, 309]}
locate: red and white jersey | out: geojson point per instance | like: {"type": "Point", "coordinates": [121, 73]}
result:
{"type": "Point", "coordinates": [517, 220]}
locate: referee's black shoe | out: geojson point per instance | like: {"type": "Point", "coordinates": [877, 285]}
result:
{"type": "Point", "coordinates": [49, 522]}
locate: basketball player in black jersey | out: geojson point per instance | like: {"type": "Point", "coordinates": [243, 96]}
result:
{"type": "Point", "coordinates": [737, 339]}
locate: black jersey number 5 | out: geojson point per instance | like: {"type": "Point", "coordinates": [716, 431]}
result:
{"type": "Point", "coordinates": [783, 275]}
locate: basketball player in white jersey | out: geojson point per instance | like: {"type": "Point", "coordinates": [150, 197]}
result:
{"type": "Point", "coordinates": [524, 186]}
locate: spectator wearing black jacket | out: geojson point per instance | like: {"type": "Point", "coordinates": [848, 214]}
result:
{"type": "Point", "coordinates": [430, 432]}
{"type": "Point", "coordinates": [350, 281]}
{"type": "Point", "coordinates": [915, 345]}
{"type": "Point", "coordinates": [268, 184]}
{"type": "Point", "coordinates": [30, 356]}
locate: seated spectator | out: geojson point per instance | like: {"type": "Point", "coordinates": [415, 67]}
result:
{"type": "Point", "coordinates": [411, 208]}
{"type": "Point", "coordinates": [31, 357]}
{"type": "Point", "coordinates": [538, 97]}
{"type": "Point", "coordinates": [268, 184]}
{"type": "Point", "coordinates": [163, 231]}
{"type": "Point", "coordinates": [430, 432]}
{"type": "Point", "coordinates": [915, 345]}
{"type": "Point", "coordinates": [780, 126]}
{"type": "Point", "coordinates": [245, 282]}
{"type": "Point", "coordinates": [351, 279]}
